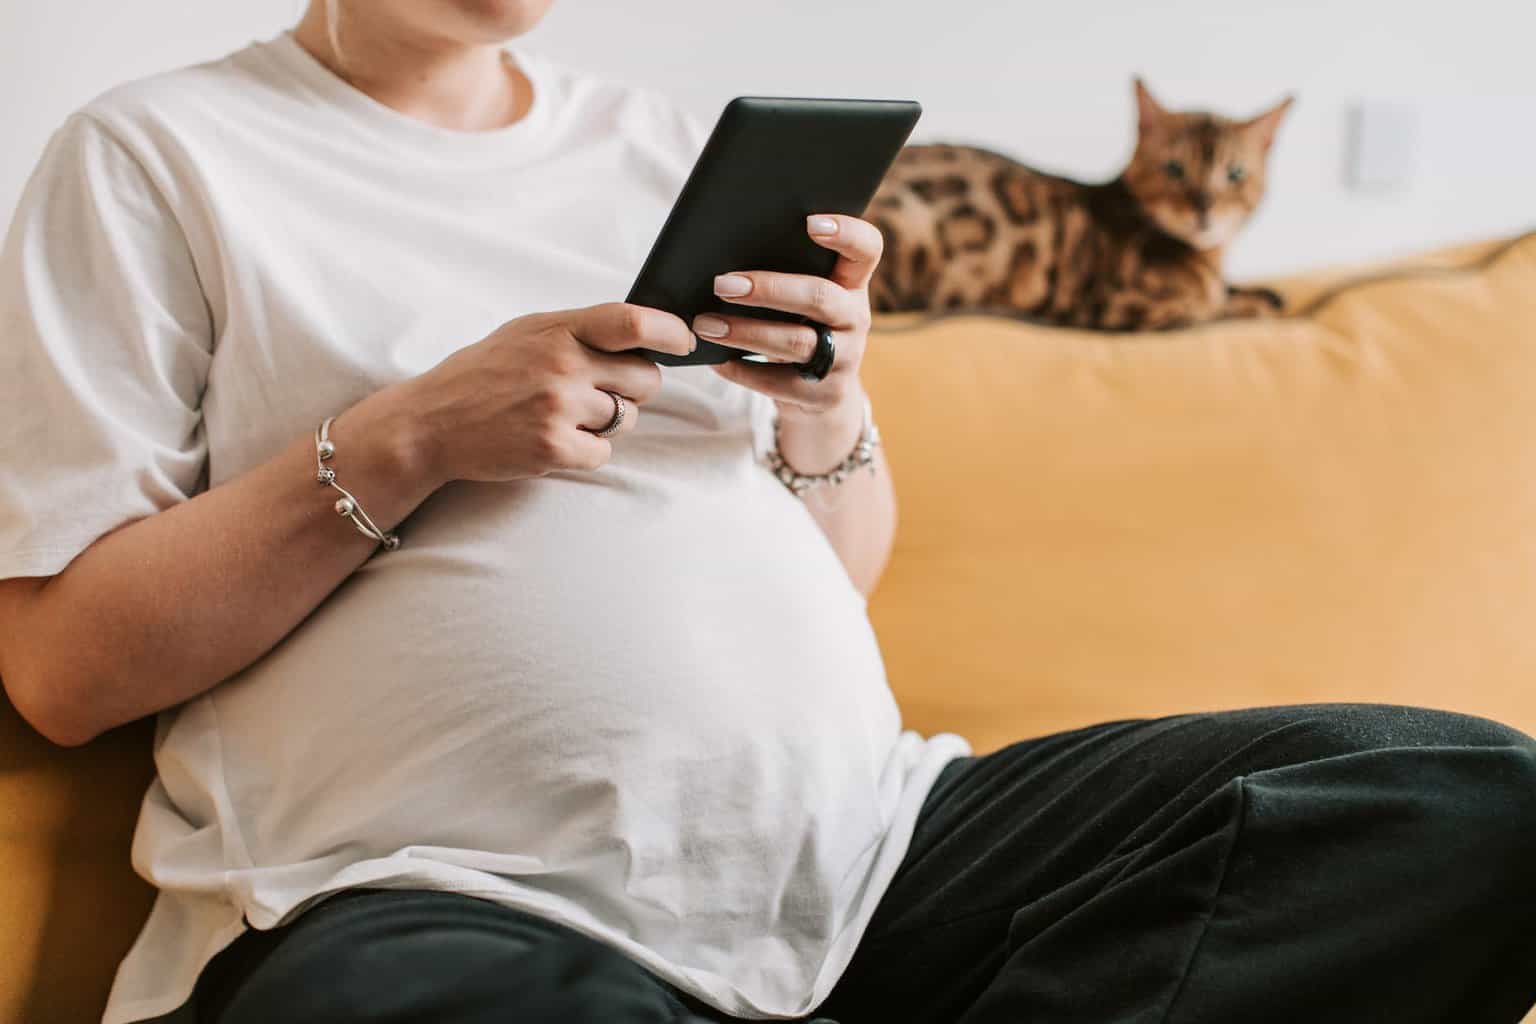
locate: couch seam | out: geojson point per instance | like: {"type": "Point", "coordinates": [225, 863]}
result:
{"type": "Point", "coordinates": [1385, 275]}
{"type": "Point", "coordinates": [1306, 313]}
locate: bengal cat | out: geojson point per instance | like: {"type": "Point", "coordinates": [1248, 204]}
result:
{"type": "Point", "coordinates": [967, 228]}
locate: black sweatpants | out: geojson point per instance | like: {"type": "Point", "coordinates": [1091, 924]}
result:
{"type": "Point", "coordinates": [1316, 864]}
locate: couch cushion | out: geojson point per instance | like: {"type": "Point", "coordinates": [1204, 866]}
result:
{"type": "Point", "coordinates": [1336, 506]}
{"type": "Point", "coordinates": [70, 902]}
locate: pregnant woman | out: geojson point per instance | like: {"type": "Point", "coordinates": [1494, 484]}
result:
{"type": "Point", "coordinates": [501, 679]}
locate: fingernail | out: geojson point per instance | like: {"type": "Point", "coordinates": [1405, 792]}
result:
{"type": "Point", "coordinates": [821, 225]}
{"type": "Point", "coordinates": [732, 284]}
{"type": "Point", "coordinates": [707, 326]}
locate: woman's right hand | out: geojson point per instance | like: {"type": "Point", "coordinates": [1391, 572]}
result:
{"type": "Point", "coordinates": [524, 400]}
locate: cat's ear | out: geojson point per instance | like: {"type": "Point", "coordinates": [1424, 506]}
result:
{"type": "Point", "coordinates": [1262, 128]}
{"type": "Point", "coordinates": [1148, 110]}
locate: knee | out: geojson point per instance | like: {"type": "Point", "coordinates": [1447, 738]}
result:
{"type": "Point", "coordinates": [1327, 730]}
{"type": "Point", "coordinates": [1461, 788]}
{"type": "Point", "coordinates": [1482, 821]}
{"type": "Point", "coordinates": [1464, 782]}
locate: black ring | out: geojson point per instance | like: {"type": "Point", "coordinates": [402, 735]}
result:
{"type": "Point", "coordinates": [820, 364]}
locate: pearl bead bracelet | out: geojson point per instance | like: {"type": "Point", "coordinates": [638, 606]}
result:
{"type": "Point", "coordinates": [799, 484]}
{"type": "Point", "coordinates": [347, 505]}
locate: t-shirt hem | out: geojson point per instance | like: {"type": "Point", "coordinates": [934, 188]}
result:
{"type": "Point", "coordinates": [939, 750]}
{"type": "Point", "coordinates": [149, 1011]}
{"type": "Point", "coordinates": [934, 753]}
{"type": "Point", "coordinates": [169, 1009]}
{"type": "Point", "coordinates": [39, 561]}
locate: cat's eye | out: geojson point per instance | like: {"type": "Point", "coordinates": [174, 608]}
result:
{"type": "Point", "coordinates": [1174, 169]}
{"type": "Point", "coordinates": [1237, 174]}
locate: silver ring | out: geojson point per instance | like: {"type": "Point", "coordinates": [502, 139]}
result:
{"type": "Point", "coordinates": [620, 407]}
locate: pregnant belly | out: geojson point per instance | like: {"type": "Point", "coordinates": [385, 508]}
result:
{"type": "Point", "coordinates": [568, 681]}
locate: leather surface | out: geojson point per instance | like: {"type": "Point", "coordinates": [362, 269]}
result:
{"type": "Point", "coordinates": [1334, 507]}
{"type": "Point", "coordinates": [70, 904]}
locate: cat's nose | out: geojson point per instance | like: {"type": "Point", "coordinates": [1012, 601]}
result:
{"type": "Point", "coordinates": [1202, 205]}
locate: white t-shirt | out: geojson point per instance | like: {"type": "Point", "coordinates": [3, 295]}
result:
{"type": "Point", "coordinates": [644, 701]}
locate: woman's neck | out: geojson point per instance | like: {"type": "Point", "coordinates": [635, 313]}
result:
{"type": "Point", "coordinates": [459, 86]}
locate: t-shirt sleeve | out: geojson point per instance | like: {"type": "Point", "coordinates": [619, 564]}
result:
{"type": "Point", "coordinates": [105, 342]}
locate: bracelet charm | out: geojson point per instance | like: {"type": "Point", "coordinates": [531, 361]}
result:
{"type": "Point", "coordinates": [347, 505]}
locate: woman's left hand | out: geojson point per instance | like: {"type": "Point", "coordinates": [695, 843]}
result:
{"type": "Point", "coordinates": [819, 421]}
{"type": "Point", "coordinates": [839, 301]}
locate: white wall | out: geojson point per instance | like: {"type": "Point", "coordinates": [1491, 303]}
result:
{"type": "Point", "coordinates": [1049, 82]}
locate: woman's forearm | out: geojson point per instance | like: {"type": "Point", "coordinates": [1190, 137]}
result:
{"type": "Point", "coordinates": [164, 608]}
{"type": "Point", "coordinates": [859, 515]}
{"type": "Point", "coordinates": [169, 606]}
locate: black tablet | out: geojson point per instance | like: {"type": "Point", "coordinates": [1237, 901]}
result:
{"type": "Point", "coordinates": [769, 163]}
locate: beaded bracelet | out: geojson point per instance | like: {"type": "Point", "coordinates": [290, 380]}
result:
{"type": "Point", "coordinates": [347, 505]}
{"type": "Point", "coordinates": [799, 484]}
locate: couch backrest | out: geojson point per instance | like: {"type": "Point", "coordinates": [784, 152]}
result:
{"type": "Point", "coordinates": [1334, 507]}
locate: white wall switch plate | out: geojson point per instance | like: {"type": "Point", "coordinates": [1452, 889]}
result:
{"type": "Point", "coordinates": [1383, 144]}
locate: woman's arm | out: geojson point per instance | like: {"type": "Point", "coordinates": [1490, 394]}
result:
{"type": "Point", "coordinates": [164, 608]}
{"type": "Point", "coordinates": [159, 610]}
{"type": "Point", "coordinates": [819, 420]}
{"type": "Point", "coordinates": [859, 515]}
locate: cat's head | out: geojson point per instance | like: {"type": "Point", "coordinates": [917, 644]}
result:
{"type": "Point", "coordinates": [1199, 176]}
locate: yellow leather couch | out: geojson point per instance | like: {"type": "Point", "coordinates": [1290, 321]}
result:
{"type": "Point", "coordinates": [1336, 506]}
{"type": "Point", "coordinates": [1340, 505]}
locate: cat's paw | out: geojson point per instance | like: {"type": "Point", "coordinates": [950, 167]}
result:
{"type": "Point", "coordinates": [1253, 302]}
